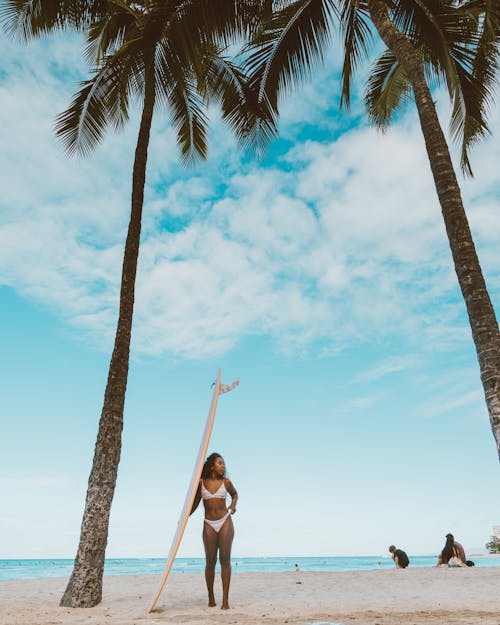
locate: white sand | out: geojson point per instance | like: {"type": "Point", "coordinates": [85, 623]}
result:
{"type": "Point", "coordinates": [469, 596]}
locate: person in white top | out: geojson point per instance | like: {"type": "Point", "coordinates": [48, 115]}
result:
{"type": "Point", "coordinates": [218, 529]}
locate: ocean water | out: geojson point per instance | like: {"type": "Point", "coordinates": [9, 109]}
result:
{"type": "Point", "coordinates": [32, 569]}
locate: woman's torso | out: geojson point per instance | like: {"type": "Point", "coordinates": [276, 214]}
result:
{"type": "Point", "coordinates": [214, 494]}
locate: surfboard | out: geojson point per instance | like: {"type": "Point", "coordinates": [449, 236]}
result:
{"type": "Point", "coordinates": [193, 486]}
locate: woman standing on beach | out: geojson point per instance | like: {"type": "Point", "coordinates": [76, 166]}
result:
{"type": "Point", "coordinates": [218, 529]}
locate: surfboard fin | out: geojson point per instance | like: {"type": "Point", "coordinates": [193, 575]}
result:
{"type": "Point", "coordinates": [225, 388]}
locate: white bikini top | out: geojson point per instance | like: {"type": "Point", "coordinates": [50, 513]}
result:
{"type": "Point", "coordinates": [220, 493]}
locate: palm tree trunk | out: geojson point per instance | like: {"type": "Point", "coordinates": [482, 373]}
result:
{"type": "Point", "coordinates": [481, 314]}
{"type": "Point", "coordinates": [85, 585]}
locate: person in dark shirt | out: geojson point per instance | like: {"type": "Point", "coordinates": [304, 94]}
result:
{"type": "Point", "coordinates": [400, 558]}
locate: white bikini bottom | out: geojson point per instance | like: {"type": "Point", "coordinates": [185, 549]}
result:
{"type": "Point", "coordinates": [218, 523]}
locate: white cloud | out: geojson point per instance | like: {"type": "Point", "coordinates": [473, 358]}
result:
{"type": "Point", "coordinates": [360, 404]}
{"type": "Point", "coordinates": [447, 403]}
{"type": "Point", "coordinates": [388, 366]}
{"type": "Point", "coordinates": [339, 239]}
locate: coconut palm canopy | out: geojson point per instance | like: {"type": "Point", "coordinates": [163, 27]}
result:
{"type": "Point", "coordinates": [457, 43]}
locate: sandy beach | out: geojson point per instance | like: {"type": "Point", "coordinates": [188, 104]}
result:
{"type": "Point", "coordinates": [415, 596]}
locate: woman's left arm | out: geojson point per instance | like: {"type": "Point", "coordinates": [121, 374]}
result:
{"type": "Point", "coordinates": [234, 496]}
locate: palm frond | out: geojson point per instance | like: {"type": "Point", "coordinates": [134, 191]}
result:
{"type": "Point", "coordinates": [82, 125]}
{"type": "Point", "coordinates": [386, 88]}
{"type": "Point", "coordinates": [484, 73]}
{"type": "Point", "coordinates": [103, 100]}
{"type": "Point", "coordinates": [190, 121]}
{"type": "Point", "coordinates": [469, 91]}
{"type": "Point", "coordinates": [217, 20]}
{"type": "Point", "coordinates": [447, 35]}
{"type": "Point", "coordinates": [468, 124]}
{"type": "Point", "coordinates": [226, 83]}
{"type": "Point", "coordinates": [284, 54]}
{"type": "Point", "coordinates": [487, 52]}
{"type": "Point", "coordinates": [176, 87]}
{"type": "Point", "coordinates": [357, 34]}
{"type": "Point", "coordinates": [27, 19]}
{"type": "Point", "coordinates": [107, 35]}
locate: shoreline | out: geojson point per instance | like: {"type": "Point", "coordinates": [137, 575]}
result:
{"type": "Point", "coordinates": [27, 568]}
{"type": "Point", "coordinates": [419, 596]}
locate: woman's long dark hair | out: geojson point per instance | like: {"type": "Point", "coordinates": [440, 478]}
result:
{"type": "Point", "coordinates": [448, 551]}
{"type": "Point", "coordinates": [209, 465]}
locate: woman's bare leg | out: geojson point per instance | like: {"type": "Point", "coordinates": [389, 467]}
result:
{"type": "Point", "coordinates": [226, 536]}
{"type": "Point", "coordinates": [211, 543]}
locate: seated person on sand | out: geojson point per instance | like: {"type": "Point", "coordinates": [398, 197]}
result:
{"type": "Point", "coordinates": [400, 558]}
{"type": "Point", "coordinates": [453, 554]}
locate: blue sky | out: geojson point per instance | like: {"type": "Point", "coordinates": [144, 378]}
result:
{"type": "Point", "coordinates": [320, 275]}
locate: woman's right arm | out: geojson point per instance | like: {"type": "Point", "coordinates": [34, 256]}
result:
{"type": "Point", "coordinates": [197, 499]}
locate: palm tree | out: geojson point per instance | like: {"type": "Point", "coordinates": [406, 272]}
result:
{"type": "Point", "coordinates": [459, 42]}
{"type": "Point", "coordinates": [482, 318]}
{"type": "Point", "coordinates": [167, 52]}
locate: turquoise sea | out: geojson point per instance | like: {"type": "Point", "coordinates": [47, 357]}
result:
{"type": "Point", "coordinates": [31, 569]}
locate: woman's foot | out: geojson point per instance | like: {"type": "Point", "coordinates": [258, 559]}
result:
{"type": "Point", "coordinates": [211, 601]}
{"type": "Point", "coordinates": [225, 606]}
